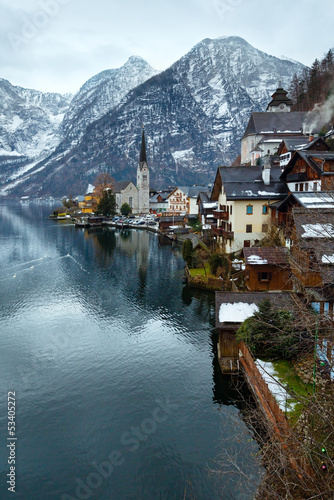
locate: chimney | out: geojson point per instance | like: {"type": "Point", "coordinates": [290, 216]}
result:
{"type": "Point", "coordinates": [311, 138]}
{"type": "Point", "coordinates": [266, 171]}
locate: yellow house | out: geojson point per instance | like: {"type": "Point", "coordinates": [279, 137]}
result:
{"type": "Point", "coordinates": [90, 203]}
{"type": "Point", "coordinates": [243, 195]}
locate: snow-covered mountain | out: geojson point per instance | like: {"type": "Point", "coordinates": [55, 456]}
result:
{"type": "Point", "coordinates": [29, 120]}
{"type": "Point", "coordinates": [101, 93]}
{"type": "Point", "coordinates": [194, 114]}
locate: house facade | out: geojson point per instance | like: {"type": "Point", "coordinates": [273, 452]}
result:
{"type": "Point", "coordinates": [243, 195]}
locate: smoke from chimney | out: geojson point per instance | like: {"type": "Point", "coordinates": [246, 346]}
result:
{"type": "Point", "coordinates": [320, 115]}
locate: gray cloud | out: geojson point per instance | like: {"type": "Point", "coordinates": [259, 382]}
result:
{"type": "Point", "coordinates": [58, 44]}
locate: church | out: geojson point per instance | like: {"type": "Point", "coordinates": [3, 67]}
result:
{"type": "Point", "coordinates": [136, 196]}
{"type": "Point", "coordinates": [266, 130]}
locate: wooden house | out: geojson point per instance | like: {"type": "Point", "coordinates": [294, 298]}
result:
{"type": "Point", "coordinates": [310, 171]}
{"type": "Point", "coordinates": [312, 250]}
{"type": "Point", "coordinates": [267, 268]}
{"type": "Point", "coordinates": [290, 145]}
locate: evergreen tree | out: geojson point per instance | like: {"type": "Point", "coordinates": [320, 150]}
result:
{"type": "Point", "coordinates": [107, 204]}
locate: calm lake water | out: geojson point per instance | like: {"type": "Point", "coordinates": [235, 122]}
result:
{"type": "Point", "coordinates": [112, 360]}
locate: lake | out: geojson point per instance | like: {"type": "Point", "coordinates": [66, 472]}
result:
{"type": "Point", "coordinates": [112, 360]}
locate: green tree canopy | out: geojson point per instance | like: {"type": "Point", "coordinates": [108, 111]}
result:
{"type": "Point", "coordinates": [126, 209]}
{"type": "Point", "coordinates": [107, 204]}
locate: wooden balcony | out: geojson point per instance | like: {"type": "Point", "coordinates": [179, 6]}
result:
{"type": "Point", "coordinates": [229, 235]}
{"type": "Point", "coordinates": [221, 214]}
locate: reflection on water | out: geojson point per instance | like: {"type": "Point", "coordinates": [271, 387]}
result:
{"type": "Point", "coordinates": [100, 338]}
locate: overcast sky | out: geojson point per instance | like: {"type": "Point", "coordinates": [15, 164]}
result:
{"type": "Point", "coordinates": [56, 45]}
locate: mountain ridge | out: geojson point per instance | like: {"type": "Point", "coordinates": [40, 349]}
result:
{"type": "Point", "coordinates": [194, 114]}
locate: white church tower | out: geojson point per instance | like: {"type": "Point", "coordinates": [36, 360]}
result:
{"type": "Point", "coordinates": [143, 180]}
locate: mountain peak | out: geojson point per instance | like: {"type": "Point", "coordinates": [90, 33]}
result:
{"type": "Point", "coordinates": [135, 60]}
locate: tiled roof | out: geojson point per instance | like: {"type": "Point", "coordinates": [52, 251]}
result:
{"type": "Point", "coordinates": [265, 255]}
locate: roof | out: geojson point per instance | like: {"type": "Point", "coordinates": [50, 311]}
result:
{"type": "Point", "coordinates": [293, 143]}
{"type": "Point", "coordinates": [276, 123]}
{"type": "Point", "coordinates": [266, 255]}
{"type": "Point", "coordinates": [315, 199]}
{"type": "Point", "coordinates": [279, 300]}
{"type": "Point", "coordinates": [194, 191]}
{"type": "Point", "coordinates": [120, 186]}
{"type": "Point", "coordinates": [245, 182]}
{"type": "Point", "coordinates": [310, 158]}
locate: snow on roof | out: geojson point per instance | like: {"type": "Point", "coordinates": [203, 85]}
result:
{"type": "Point", "coordinates": [318, 231]}
{"type": "Point", "coordinates": [236, 312]}
{"type": "Point", "coordinates": [316, 199]}
{"type": "Point", "coordinates": [327, 259]}
{"type": "Point", "coordinates": [266, 193]}
{"type": "Point", "coordinates": [256, 259]}
{"type": "Point", "coordinates": [209, 205]}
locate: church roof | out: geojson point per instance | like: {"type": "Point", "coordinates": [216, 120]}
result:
{"type": "Point", "coordinates": [120, 186]}
{"type": "Point", "coordinates": [276, 123]}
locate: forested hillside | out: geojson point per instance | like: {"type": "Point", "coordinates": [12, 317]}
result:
{"type": "Point", "coordinates": [314, 86]}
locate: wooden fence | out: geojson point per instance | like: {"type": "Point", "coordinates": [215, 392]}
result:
{"type": "Point", "coordinates": [272, 411]}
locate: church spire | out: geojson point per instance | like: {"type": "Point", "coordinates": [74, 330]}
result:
{"type": "Point", "coordinates": [142, 158]}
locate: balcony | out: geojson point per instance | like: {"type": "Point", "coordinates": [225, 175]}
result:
{"type": "Point", "coordinates": [221, 214]}
{"type": "Point", "coordinates": [299, 177]}
{"type": "Point", "coordinates": [229, 235]}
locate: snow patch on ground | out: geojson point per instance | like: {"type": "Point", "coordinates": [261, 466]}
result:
{"type": "Point", "coordinates": [280, 393]}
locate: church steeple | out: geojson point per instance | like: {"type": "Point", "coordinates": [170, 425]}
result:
{"type": "Point", "coordinates": [280, 101]}
{"type": "Point", "coordinates": [143, 179]}
{"type": "Point", "coordinates": [142, 158]}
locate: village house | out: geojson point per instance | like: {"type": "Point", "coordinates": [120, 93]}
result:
{"type": "Point", "coordinates": [89, 203]}
{"type": "Point", "coordinates": [206, 208]}
{"type": "Point", "coordinates": [310, 171]}
{"type": "Point", "coordinates": [267, 268]}
{"type": "Point", "coordinates": [289, 146]}
{"type": "Point", "coordinates": [243, 195]}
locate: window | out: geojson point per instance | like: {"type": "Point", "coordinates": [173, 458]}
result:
{"type": "Point", "coordinates": [296, 187]}
{"type": "Point", "coordinates": [315, 186]}
{"type": "Point", "coordinates": [249, 209]}
{"type": "Point", "coordinates": [230, 209]}
{"type": "Point", "coordinates": [264, 228]}
{"type": "Point", "coordinates": [264, 209]}
{"type": "Point", "coordinates": [249, 228]}
{"type": "Point", "coordinates": [306, 186]}
{"type": "Point", "coordinates": [130, 201]}
{"type": "Point", "coordinates": [301, 187]}
{"type": "Point", "coordinates": [247, 243]}
{"type": "Point", "coordinates": [264, 276]}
